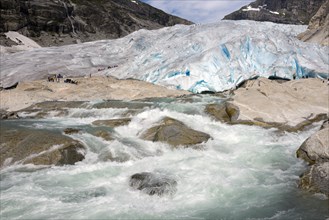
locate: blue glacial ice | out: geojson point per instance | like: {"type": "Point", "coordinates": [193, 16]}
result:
{"type": "Point", "coordinates": [210, 57]}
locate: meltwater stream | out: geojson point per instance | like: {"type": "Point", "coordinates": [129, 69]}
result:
{"type": "Point", "coordinates": [243, 172]}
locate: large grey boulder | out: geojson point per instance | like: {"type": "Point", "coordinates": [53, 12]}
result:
{"type": "Point", "coordinates": [315, 149]}
{"type": "Point", "coordinates": [316, 179]}
{"type": "Point", "coordinates": [175, 133]}
{"type": "Point", "coordinates": [153, 183]}
{"type": "Point", "coordinates": [39, 147]}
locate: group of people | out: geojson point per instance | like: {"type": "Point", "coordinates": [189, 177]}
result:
{"type": "Point", "coordinates": [57, 77]}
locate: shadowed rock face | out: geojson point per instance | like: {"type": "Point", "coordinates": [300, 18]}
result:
{"type": "Point", "coordinates": [40, 147]}
{"type": "Point", "coordinates": [224, 112]}
{"type": "Point", "coordinates": [62, 22]}
{"type": "Point", "coordinates": [315, 151]}
{"type": "Point", "coordinates": [318, 29]}
{"type": "Point", "coordinates": [279, 11]}
{"type": "Point", "coordinates": [175, 133]}
{"type": "Point", "coordinates": [153, 183]}
{"type": "Point", "coordinates": [316, 179]}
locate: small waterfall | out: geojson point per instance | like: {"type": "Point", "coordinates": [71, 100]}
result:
{"type": "Point", "coordinates": [68, 16]}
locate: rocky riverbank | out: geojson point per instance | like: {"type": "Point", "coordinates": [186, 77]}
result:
{"type": "Point", "coordinates": [286, 105]}
{"type": "Point", "coordinates": [289, 106]}
{"type": "Point", "coordinates": [87, 89]}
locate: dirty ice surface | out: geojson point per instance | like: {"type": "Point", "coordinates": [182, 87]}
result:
{"type": "Point", "coordinates": [209, 57]}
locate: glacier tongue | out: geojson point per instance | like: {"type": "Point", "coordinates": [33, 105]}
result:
{"type": "Point", "coordinates": [197, 58]}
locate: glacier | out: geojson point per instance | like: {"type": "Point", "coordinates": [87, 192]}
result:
{"type": "Point", "coordinates": [209, 57]}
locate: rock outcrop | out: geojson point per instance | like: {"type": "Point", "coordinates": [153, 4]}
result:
{"type": "Point", "coordinates": [153, 183]}
{"type": "Point", "coordinates": [175, 133]}
{"type": "Point", "coordinates": [61, 22]}
{"type": "Point", "coordinates": [46, 95]}
{"type": "Point", "coordinates": [39, 147]}
{"type": "Point", "coordinates": [289, 106]}
{"type": "Point", "coordinates": [278, 11]}
{"type": "Point", "coordinates": [316, 179]}
{"type": "Point", "coordinates": [315, 149]}
{"type": "Point", "coordinates": [318, 28]}
{"type": "Point", "coordinates": [224, 112]}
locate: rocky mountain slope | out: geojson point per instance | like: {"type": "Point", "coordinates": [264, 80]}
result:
{"type": "Point", "coordinates": [61, 22]}
{"type": "Point", "coordinates": [279, 11]}
{"type": "Point", "coordinates": [318, 29]}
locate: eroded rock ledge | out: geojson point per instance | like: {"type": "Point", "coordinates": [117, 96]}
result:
{"type": "Point", "coordinates": [288, 106]}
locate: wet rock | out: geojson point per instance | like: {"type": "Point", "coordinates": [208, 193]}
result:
{"type": "Point", "coordinates": [315, 149]}
{"type": "Point", "coordinates": [40, 147]}
{"type": "Point", "coordinates": [83, 196]}
{"type": "Point", "coordinates": [325, 124]}
{"type": "Point", "coordinates": [103, 134]}
{"type": "Point", "coordinates": [107, 155]}
{"type": "Point", "coordinates": [153, 183]}
{"type": "Point", "coordinates": [43, 109]}
{"type": "Point", "coordinates": [112, 122]}
{"type": "Point", "coordinates": [175, 133]}
{"type": "Point", "coordinates": [224, 112]}
{"type": "Point", "coordinates": [8, 115]}
{"type": "Point", "coordinates": [316, 179]}
{"type": "Point", "coordinates": [71, 131]}
{"type": "Point", "coordinates": [122, 104]}
{"type": "Point", "coordinates": [55, 105]}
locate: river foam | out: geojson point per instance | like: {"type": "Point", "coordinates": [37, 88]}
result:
{"type": "Point", "coordinates": [243, 172]}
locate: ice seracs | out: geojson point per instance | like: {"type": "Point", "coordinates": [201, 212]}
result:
{"type": "Point", "coordinates": [209, 57]}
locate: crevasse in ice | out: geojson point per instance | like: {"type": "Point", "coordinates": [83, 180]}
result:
{"type": "Point", "coordinates": [197, 58]}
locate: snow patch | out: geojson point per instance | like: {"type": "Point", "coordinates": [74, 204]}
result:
{"type": "Point", "coordinates": [274, 12]}
{"type": "Point", "coordinates": [249, 8]}
{"type": "Point", "coordinates": [24, 43]}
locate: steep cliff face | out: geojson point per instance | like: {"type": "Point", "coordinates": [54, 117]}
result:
{"type": "Point", "coordinates": [318, 29]}
{"type": "Point", "coordinates": [60, 22]}
{"type": "Point", "coordinates": [279, 11]}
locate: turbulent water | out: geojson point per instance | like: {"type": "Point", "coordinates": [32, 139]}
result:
{"type": "Point", "coordinates": [243, 172]}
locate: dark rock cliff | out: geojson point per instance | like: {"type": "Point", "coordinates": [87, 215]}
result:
{"type": "Point", "coordinates": [60, 22]}
{"type": "Point", "coordinates": [279, 11]}
{"type": "Point", "coordinates": [318, 29]}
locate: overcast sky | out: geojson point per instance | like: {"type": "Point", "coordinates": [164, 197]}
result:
{"type": "Point", "coordinates": [199, 11]}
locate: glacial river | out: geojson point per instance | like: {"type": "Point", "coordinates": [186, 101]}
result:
{"type": "Point", "coordinates": [243, 172]}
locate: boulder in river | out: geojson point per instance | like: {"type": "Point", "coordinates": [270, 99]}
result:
{"type": "Point", "coordinates": [153, 183]}
{"type": "Point", "coordinates": [39, 147]}
{"type": "Point", "coordinates": [224, 112]}
{"type": "Point", "coordinates": [316, 179]}
{"type": "Point", "coordinates": [112, 122]}
{"type": "Point", "coordinates": [175, 133]}
{"type": "Point", "coordinates": [316, 148]}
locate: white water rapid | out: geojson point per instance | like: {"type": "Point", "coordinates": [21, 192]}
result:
{"type": "Point", "coordinates": [243, 172]}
